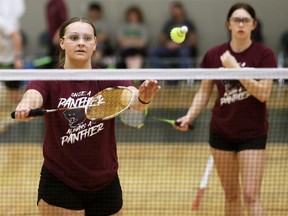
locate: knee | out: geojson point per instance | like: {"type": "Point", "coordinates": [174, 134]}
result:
{"type": "Point", "coordinates": [250, 197]}
{"type": "Point", "coordinates": [231, 196]}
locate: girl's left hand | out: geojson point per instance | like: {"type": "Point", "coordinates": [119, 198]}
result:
{"type": "Point", "coordinates": [147, 90]}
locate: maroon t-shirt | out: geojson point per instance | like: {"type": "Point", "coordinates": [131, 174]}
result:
{"type": "Point", "coordinates": [80, 152]}
{"type": "Point", "coordinates": [236, 114]}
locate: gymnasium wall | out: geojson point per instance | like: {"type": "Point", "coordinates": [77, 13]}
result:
{"type": "Point", "coordinates": [208, 16]}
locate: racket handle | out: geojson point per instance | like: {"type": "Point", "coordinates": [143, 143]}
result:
{"type": "Point", "coordinates": [190, 127]}
{"type": "Point", "coordinates": [198, 199]}
{"type": "Point", "coordinates": [32, 113]}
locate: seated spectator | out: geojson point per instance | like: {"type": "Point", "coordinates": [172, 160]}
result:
{"type": "Point", "coordinates": [56, 12]}
{"type": "Point", "coordinates": [104, 48]}
{"type": "Point", "coordinates": [283, 52]}
{"type": "Point", "coordinates": [11, 56]}
{"type": "Point", "coordinates": [284, 46]}
{"type": "Point", "coordinates": [180, 54]}
{"type": "Point", "coordinates": [132, 38]}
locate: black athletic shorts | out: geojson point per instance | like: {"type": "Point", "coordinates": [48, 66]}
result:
{"type": "Point", "coordinates": [218, 142]}
{"type": "Point", "coordinates": [106, 201]}
{"type": "Point", "coordinates": [13, 85]}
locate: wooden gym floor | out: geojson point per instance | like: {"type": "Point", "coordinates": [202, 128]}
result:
{"type": "Point", "coordinates": [156, 179]}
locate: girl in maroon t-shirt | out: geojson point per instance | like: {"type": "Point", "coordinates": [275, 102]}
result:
{"type": "Point", "coordinates": [239, 125]}
{"type": "Point", "coordinates": [79, 174]}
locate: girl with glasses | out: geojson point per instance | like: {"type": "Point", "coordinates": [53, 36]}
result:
{"type": "Point", "coordinates": [79, 175]}
{"type": "Point", "coordinates": [239, 124]}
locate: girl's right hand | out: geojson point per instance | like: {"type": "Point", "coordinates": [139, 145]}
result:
{"type": "Point", "coordinates": [22, 112]}
{"type": "Point", "coordinates": [184, 125]}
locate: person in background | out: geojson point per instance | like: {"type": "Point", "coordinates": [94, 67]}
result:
{"type": "Point", "coordinates": [283, 55]}
{"type": "Point", "coordinates": [104, 47]}
{"type": "Point", "coordinates": [11, 51]}
{"type": "Point", "coordinates": [170, 54]}
{"type": "Point", "coordinates": [239, 124]}
{"type": "Point", "coordinates": [79, 175]}
{"type": "Point", "coordinates": [132, 39]}
{"type": "Point", "coordinates": [56, 13]}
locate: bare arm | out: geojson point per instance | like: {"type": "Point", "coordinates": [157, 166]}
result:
{"type": "Point", "coordinates": [31, 99]}
{"type": "Point", "coordinates": [260, 89]}
{"type": "Point", "coordinates": [17, 49]}
{"type": "Point", "coordinates": [199, 102]}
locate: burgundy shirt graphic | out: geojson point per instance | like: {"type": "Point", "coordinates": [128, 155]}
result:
{"type": "Point", "coordinates": [236, 114]}
{"type": "Point", "coordinates": [80, 152]}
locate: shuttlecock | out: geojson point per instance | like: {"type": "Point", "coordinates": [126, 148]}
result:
{"type": "Point", "coordinates": [178, 34]}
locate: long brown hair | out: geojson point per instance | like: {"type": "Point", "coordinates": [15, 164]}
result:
{"type": "Point", "coordinates": [62, 33]}
{"type": "Point", "coordinates": [244, 6]}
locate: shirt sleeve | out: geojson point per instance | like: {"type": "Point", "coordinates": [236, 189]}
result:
{"type": "Point", "coordinates": [41, 87]}
{"type": "Point", "coordinates": [268, 59]}
{"type": "Point", "coordinates": [205, 63]}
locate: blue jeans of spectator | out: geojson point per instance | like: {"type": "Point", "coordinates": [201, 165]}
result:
{"type": "Point", "coordinates": [180, 57]}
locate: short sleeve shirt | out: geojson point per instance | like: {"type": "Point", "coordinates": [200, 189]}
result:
{"type": "Point", "coordinates": [236, 114]}
{"type": "Point", "coordinates": [80, 152]}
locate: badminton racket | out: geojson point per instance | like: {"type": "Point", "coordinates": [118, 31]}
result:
{"type": "Point", "coordinates": [105, 105]}
{"type": "Point", "coordinates": [171, 122]}
{"type": "Point", "coordinates": [203, 184]}
{"type": "Point", "coordinates": [136, 119]}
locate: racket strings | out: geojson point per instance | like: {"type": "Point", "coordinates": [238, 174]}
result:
{"type": "Point", "coordinates": [108, 103]}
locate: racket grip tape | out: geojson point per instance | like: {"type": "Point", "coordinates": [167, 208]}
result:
{"type": "Point", "coordinates": [190, 127]}
{"type": "Point", "coordinates": [199, 196]}
{"type": "Point", "coordinates": [32, 113]}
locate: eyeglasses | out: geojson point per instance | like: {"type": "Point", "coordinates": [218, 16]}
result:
{"type": "Point", "coordinates": [87, 38]}
{"type": "Point", "coordinates": [238, 20]}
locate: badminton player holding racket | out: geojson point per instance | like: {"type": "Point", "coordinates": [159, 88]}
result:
{"type": "Point", "coordinates": [79, 174]}
{"type": "Point", "coordinates": [239, 124]}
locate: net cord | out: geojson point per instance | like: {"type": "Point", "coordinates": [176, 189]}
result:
{"type": "Point", "coordinates": [143, 74]}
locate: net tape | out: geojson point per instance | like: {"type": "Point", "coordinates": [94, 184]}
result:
{"type": "Point", "coordinates": [143, 74]}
